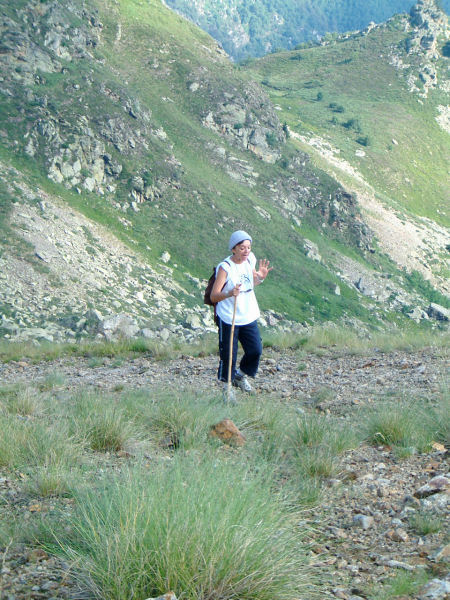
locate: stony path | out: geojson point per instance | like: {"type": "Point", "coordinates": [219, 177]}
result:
{"type": "Point", "coordinates": [349, 379]}
{"type": "Point", "coordinates": [362, 534]}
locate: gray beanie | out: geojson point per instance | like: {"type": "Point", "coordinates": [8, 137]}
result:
{"type": "Point", "coordinates": [237, 237]}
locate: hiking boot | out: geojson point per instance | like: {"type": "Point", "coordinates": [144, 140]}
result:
{"type": "Point", "coordinates": [243, 383]}
{"type": "Point", "coordinates": [228, 395]}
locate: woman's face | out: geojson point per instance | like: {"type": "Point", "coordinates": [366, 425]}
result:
{"type": "Point", "coordinates": [241, 251]}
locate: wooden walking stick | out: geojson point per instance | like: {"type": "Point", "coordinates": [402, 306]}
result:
{"type": "Point", "coordinates": [230, 358]}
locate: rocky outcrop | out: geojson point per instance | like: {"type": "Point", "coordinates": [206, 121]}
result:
{"type": "Point", "coordinates": [436, 311]}
{"type": "Point", "coordinates": [428, 26]}
{"type": "Point", "coordinates": [82, 149]}
{"type": "Point", "coordinates": [248, 121]}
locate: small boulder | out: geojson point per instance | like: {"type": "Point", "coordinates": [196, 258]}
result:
{"type": "Point", "coordinates": [436, 589]}
{"type": "Point", "coordinates": [397, 535]}
{"type": "Point", "coordinates": [434, 486]}
{"type": "Point", "coordinates": [438, 312]}
{"type": "Point", "coordinates": [363, 521]}
{"type": "Point", "coordinates": [227, 431]}
{"type": "Point", "coordinates": [120, 325]}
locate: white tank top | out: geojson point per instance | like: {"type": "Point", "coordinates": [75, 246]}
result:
{"type": "Point", "coordinates": [247, 309]}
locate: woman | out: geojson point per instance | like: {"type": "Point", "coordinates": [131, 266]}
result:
{"type": "Point", "coordinates": [236, 278]}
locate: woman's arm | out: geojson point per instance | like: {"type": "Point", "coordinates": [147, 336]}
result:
{"type": "Point", "coordinates": [217, 295]}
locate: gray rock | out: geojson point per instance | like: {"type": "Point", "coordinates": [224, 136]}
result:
{"type": "Point", "coordinates": [363, 521]}
{"type": "Point", "coordinates": [441, 554]}
{"type": "Point", "coordinates": [365, 287]}
{"type": "Point", "coordinates": [148, 333]}
{"type": "Point", "coordinates": [164, 334]}
{"type": "Point", "coordinates": [193, 322]}
{"type": "Point", "coordinates": [417, 314]}
{"type": "Point", "coordinates": [438, 312]}
{"type": "Point", "coordinates": [437, 502]}
{"type": "Point", "coordinates": [312, 250]}
{"type": "Point", "coordinates": [121, 325]}
{"type": "Point", "coordinates": [434, 486]}
{"type": "Point", "coordinates": [89, 184]}
{"type": "Point", "coordinates": [436, 589]}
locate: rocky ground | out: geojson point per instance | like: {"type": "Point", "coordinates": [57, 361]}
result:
{"type": "Point", "coordinates": [362, 535]}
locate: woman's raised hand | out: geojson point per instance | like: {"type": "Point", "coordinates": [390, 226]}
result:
{"type": "Point", "coordinates": [264, 268]}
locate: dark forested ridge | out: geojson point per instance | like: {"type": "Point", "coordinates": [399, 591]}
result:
{"type": "Point", "coordinates": [247, 28]}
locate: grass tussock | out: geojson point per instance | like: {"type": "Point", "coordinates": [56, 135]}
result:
{"type": "Point", "coordinates": [425, 523]}
{"type": "Point", "coordinates": [405, 427]}
{"type": "Point", "coordinates": [180, 420]}
{"type": "Point", "coordinates": [204, 528]}
{"type": "Point", "coordinates": [100, 423]}
{"type": "Point", "coordinates": [25, 443]}
{"type": "Point", "coordinates": [402, 585]}
{"type": "Point", "coordinates": [315, 444]}
{"type": "Point", "coordinates": [357, 342]}
{"type": "Point", "coordinates": [19, 400]}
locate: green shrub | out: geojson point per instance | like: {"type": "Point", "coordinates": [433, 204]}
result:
{"type": "Point", "coordinates": [271, 139]}
{"type": "Point", "coordinates": [338, 108]}
{"type": "Point", "coordinates": [364, 140]}
{"type": "Point", "coordinates": [352, 124]}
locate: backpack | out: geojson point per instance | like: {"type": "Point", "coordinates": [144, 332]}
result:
{"type": "Point", "coordinates": [207, 295]}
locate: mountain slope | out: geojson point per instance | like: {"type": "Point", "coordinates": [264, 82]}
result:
{"type": "Point", "coordinates": [130, 149]}
{"type": "Point", "coordinates": [247, 29]}
{"type": "Point", "coordinates": [372, 107]}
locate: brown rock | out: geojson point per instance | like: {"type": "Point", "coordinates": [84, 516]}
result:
{"type": "Point", "coordinates": [442, 554]}
{"type": "Point", "coordinates": [434, 486]}
{"type": "Point", "coordinates": [36, 555]}
{"type": "Point", "coordinates": [227, 431]}
{"type": "Point", "coordinates": [397, 535]}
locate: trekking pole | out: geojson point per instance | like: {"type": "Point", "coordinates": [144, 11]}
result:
{"type": "Point", "coordinates": [230, 358]}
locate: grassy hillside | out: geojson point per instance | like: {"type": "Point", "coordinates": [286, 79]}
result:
{"type": "Point", "coordinates": [137, 120]}
{"type": "Point", "coordinates": [349, 93]}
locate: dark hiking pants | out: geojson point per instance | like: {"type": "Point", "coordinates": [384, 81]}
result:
{"type": "Point", "coordinates": [250, 340]}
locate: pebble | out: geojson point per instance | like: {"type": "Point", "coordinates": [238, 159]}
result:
{"type": "Point", "coordinates": [397, 535]}
{"type": "Point", "coordinates": [363, 521]}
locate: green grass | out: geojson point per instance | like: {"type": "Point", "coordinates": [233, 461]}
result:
{"type": "Point", "coordinates": [317, 339]}
{"type": "Point", "coordinates": [404, 426]}
{"type": "Point", "coordinates": [425, 523]}
{"type": "Point", "coordinates": [35, 444]}
{"type": "Point", "coordinates": [19, 400]}
{"type": "Point", "coordinates": [155, 504]}
{"type": "Point", "coordinates": [401, 585]}
{"type": "Point", "coordinates": [96, 351]}
{"type": "Point", "coordinates": [169, 528]}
